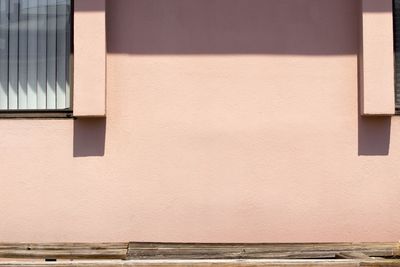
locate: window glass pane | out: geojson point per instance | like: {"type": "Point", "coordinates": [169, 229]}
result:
{"type": "Point", "coordinates": [35, 38]}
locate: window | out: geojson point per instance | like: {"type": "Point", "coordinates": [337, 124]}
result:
{"type": "Point", "coordinates": [35, 55]}
{"type": "Point", "coordinates": [396, 24]}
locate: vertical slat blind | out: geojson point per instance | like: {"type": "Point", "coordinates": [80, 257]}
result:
{"type": "Point", "coordinates": [35, 38]}
{"type": "Point", "coordinates": [396, 16]}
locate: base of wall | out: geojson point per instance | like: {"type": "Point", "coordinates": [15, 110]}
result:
{"type": "Point", "coordinates": [199, 254]}
{"type": "Point", "coordinates": [203, 263]}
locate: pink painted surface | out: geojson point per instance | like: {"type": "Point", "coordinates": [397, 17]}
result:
{"type": "Point", "coordinates": [227, 121]}
{"type": "Point", "coordinates": [377, 97]}
{"type": "Point", "coordinates": [89, 58]}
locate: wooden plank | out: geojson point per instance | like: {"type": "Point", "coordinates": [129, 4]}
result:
{"type": "Point", "coordinates": [64, 250]}
{"type": "Point", "coordinates": [61, 246]}
{"type": "Point", "coordinates": [278, 246]}
{"type": "Point", "coordinates": [200, 253]}
{"type": "Point", "coordinates": [352, 255]}
{"type": "Point", "coordinates": [257, 251]}
{"type": "Point", "coordinates": [65, 254]}
{"type": "Point", "coordinates": [380, 263]}
{"type": "Point", "coordinates": [236, 253]}
{"type": "Point", "coordinates": [180, 263]}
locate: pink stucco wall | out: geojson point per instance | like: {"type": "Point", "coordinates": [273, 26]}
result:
{"type": "Point", "coordinates": [227, 121]}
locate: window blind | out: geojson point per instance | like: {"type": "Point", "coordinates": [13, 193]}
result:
{"type": "Point", "coordinates": [35, 51]}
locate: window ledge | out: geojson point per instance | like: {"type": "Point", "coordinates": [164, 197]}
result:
{"type": "Point", "coordinates": [15, 114]}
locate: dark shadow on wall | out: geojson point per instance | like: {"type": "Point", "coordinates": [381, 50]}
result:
{"type": "Point", "coordinates": [89, 137]}
{"type": "Point", "coordinates": [374, 136]}
{"type": "Point", "coordinates": [377, 5]}
{"type": "Point", "coordinates": [88, 5]}
{"type": "Point", "coordinates": [304, 27]}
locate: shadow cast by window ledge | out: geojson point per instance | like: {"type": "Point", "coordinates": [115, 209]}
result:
{"type": "Point", "coordinates": [89, 137]}
{"type": "Point", "coordinates": [374, 136]}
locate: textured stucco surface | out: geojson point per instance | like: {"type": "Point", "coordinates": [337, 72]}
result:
{"type": "Point", "coordinates": [227, 121]}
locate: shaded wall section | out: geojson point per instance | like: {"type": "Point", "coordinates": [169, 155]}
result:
{"type": "Point", "coordinates": [306, 27]}
{"type": "Point", "coordinates": [89, 137]}
{"type": "Point", "coordinates": [227, 121]}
